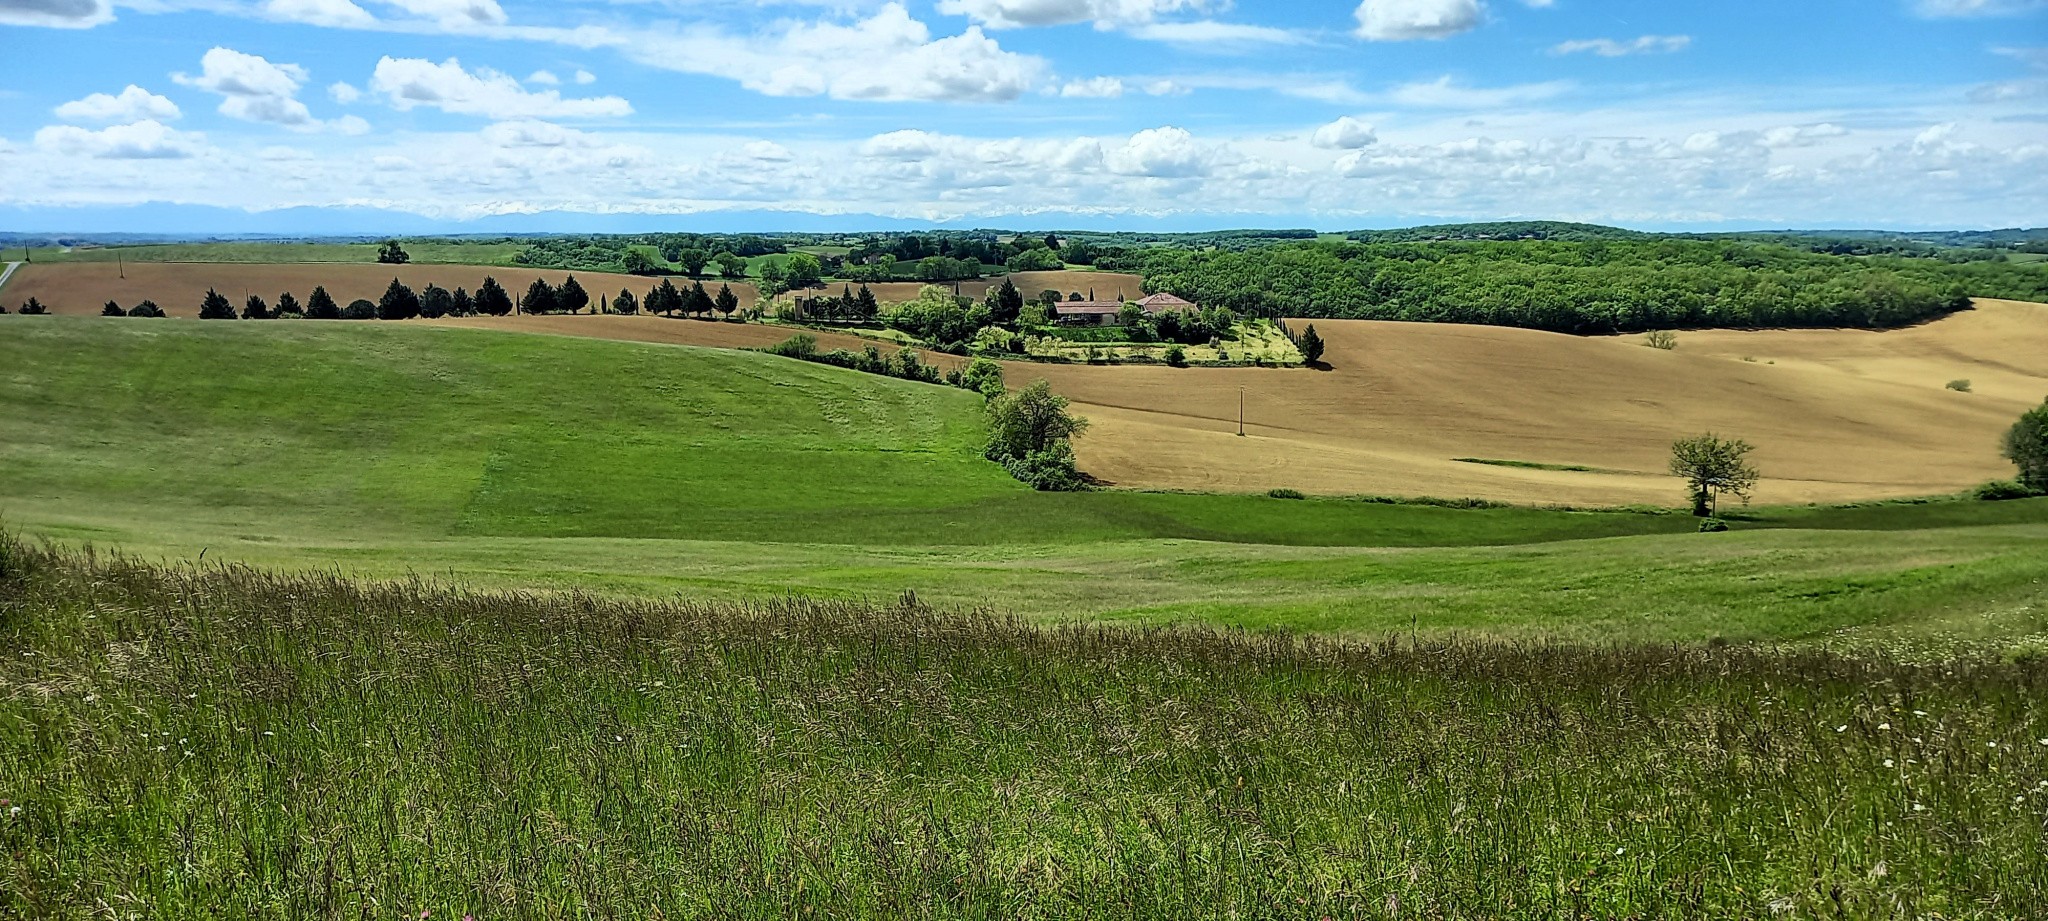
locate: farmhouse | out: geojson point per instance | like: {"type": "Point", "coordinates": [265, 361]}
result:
{"type": "Point", "coordinates": [1104, 313]}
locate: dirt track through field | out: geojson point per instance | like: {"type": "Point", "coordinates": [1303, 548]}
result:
{"type": "Point", "coordinates": [1837, 415]}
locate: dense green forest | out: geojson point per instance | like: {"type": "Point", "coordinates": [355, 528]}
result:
{"type": "Point", "coordinates": [1581, 287]}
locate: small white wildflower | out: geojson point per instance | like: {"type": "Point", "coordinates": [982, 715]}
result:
{"type": "Point", "coordinates": [1919, 808]}
{"type": "Point", "coordinates": [1919, 713]}
{"type": "Point", "coordinates": [191, 697]}
{"type": "Point", "coordinates": [13, 811]}
{"type": "Point", "coordinates": [160, 748]}
{"type": "Point", "coordinates": [1890, 763]}
{"type": "Point", "coordinates": [1842, 728]}
{"type": "Point", "coordinates": [1620, 851]}
{"type": "Point", "coordinates": [188, 753]}
{"type": "Point", "coordinates": [2044, 741]}
{"type": "Point", "coordinates": [1991, 745]}
{"type": "Point", "coordinates": [181, 741]}
{"type": "Point", "coordinates": [1884, 726]}
{"type": "Point", "coordinates": [618, 738]}
{"type": "Point", "coordinates": [89, 698]}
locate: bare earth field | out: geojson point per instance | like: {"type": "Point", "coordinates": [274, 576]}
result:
{"type": "Point", "coordinates": [1843, 415]}
{"type": "Point", "coordinates": [81, 288]}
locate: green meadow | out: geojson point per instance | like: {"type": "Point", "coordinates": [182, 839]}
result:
{"type": "Point", "coordinates": [521, 462]}
{"type": "Point", "coordinates": [448, 252]}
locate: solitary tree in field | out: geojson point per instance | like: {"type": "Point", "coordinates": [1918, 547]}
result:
{"type": "Point", "coordinates": [287, 305]}
{"type": "Point", "coordinates": [436, 302]}
{"type": "Point", "coordinates": [491, 299]}
{"type": "Point", "coordinates": [1030, 434]}
{"type": "Point", "coordinates": [2026, 445]}
{"type": "Point", "coordinates": [1311, 345]}
{"type": "Point", "coordinates": [727, 302]}
{"type": "Point", "coordinates": [571, 296]}
{"type": "Point", "coordinates": [1712, 466]}
{"type": "Point", "coordinates": [112, 310]}
{"type": "Point", "coordinates": [731, 265]}
{"type": "Point", "coordinates": [398, 303]}
{"type": "Point", "coordinates": [255, 308]}
{"type": "Point", "coordinates": [391, 254]}
{"type": "Point", "coordinates": [216, 307]}
{"type": "Point", "coordinates": [320, 305]}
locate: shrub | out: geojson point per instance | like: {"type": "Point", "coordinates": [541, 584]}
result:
{"type": "Point", "coordinates": [1048, 470]}
{"type": "Point", "coordinates": [359, 309]}
{"type": "Point", "coordinates": [216, 307]}
{"type": "Point", "coordinates": [801, 345]}
{"type": "Point", "coordinates": [112, 310]}
{"type": "Point", "coordinates": [1030, 434]}
{"type": "Point", "coordinates": [146, 309]}
{"type": "Point", "coordinates": [1177, 357]}
{"type": "Point", "coordinates": [1284, 493]}
{"type": "Point", "coordinates": [2002, 490]}
{"type": "Point", "coordinates": [1661, 339]}
{"type": "Point", "coordinates": [1712, 526]}
{"type": "Point", "coordinates": [1959, 385]}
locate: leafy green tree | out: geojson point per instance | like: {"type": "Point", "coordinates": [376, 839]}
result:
{"type": "Point", "coordinates": [255, 308]}
{"type": "Point", "coordinates": [571, 296]}
{"type": "Point", "coordinates": [625, 304]}
{"type": "Point", "coordinates": [2026, 445]}
{"type": "Point", "coordinates": [693, 261]}
{"type": "Point", "coordinates": [1311, 345]}
{"type": "Point", "coordinates": [1031, 434]}
{"type": "Point", "coordinates": [726, 301]}
{"type": "Point", "coordinates": [1035, 315]}
{"type": "Point", "coordinates": [288, 306]}
{"type": "Point", "coordinates": [391, 254]}
{"type": "Point", "coordinates": [462, 305]}
{"type": "Point", "coordinates": [1079, 252]}
{"type": "Point", "coordinates": [1036, 260]}
{"type": "Point", "coordinates": [112, 309]}
{"type": "Point", "coordinates": [319, 305]}
{"type": "Point", "coordinates": [731, 265]}
{"type": "Point", "coordinates": [1129, 315]}
{"type": "Point", "coordinates": [803, 270]}
{"type": "Point", "coordinates": [215, 307]}
{"type": "Point", "coordinates": [492, 299]}
{"type": "Point", "coordinates": [639, 263]}
{"type": "Point", "coordinates": [360, 309]}
{"type": "Point", "coordinates": [984, 377]}
{"type": "Point", "coordinates": [1009, 303]}
{"type": "Point", "coordinates": [1712, 466]}
{"type": "Point", "coordinates": [540, 298]}
{"type": "Point", "coordinates": [436, 302]}
{"type": "Point", "coordinates": [398, 303]}
{"type": "Point", "coordinates": [774, 277]}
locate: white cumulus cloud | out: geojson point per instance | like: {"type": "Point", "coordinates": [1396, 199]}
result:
{"type": "Point", "coordinates": [1407, 20]}
{"type": "Point", "coordinates": [1094, 88]}
{"type": "Point", "coordinates": [1346, 133]}
{"type": "Point", "coordinates": [143, 140]}
{"type": "Point", "coordinates": [408, 83]}
{"type": "Point", "coordinates": [132, 105]}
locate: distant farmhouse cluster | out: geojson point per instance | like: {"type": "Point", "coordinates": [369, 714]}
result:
{"type": "Point", "coordinates": [1109, 313]}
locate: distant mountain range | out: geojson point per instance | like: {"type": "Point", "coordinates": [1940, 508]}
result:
{"type": "Point", "coordinates": [170, 222]}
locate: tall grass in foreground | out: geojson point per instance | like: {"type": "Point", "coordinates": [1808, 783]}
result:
{"type": "Point", "coordinates": [226, 742]}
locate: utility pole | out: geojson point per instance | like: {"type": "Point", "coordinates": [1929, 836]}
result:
{"type": "Point", "coordinates": [1240, 412]}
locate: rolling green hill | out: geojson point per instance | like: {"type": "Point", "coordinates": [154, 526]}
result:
{"type": "Point", "coordinates": [537, 461]}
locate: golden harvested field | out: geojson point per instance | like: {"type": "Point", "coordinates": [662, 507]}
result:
{"type": "Point", "coordinates": [81, 288]}
{"type": "Point", "coordinates": [1843, 415]}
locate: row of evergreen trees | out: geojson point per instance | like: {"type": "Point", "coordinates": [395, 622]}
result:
{"type": "Point", "coordinates": [401, 302]}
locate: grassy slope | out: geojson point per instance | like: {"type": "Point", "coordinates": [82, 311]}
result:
{"type": "Point", "coordinates": [526, 460]}
{"type": "Point", "coordinates": [222, 743]}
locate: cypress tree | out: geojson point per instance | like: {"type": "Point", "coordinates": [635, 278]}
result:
{"type": "Point", "coordinates": [215, 307]}
{"type": "Point", "coordinates": [289, 305]}
{"type": "Point", "coordinates": [398, 302]}
{"type": "Point", "coordinates": [255, 308]}
{"type": "Point", "coordinates": [727, 301]}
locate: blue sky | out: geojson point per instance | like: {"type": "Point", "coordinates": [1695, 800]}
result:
{"type": "Point", "coordinates": [1179, 113]}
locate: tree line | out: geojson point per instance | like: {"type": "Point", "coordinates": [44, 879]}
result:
{"type": "Point", "coordinates": [1598, 286]}
{"type": "Point", "coordinates": [491, 299]}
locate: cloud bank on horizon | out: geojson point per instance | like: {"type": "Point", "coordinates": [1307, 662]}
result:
{"type": "Point", "coordinates": [1193, 113]}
